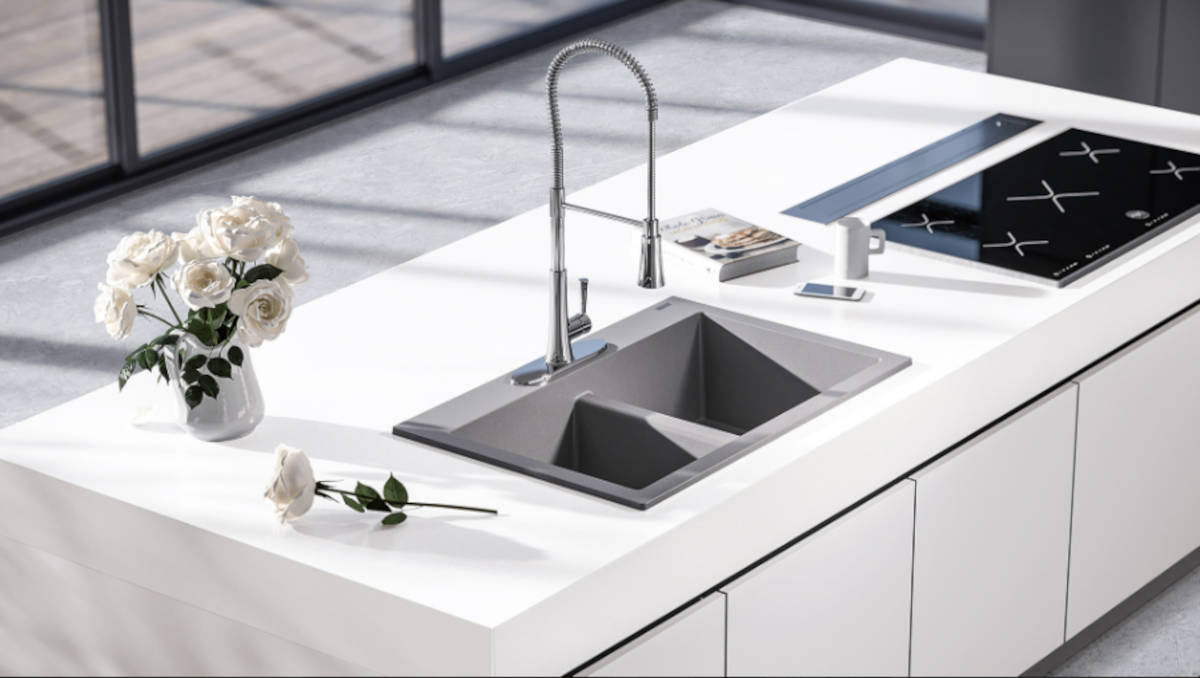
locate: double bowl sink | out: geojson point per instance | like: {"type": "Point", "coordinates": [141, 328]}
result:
{"type": "Point", "coordinates": [681, 389]}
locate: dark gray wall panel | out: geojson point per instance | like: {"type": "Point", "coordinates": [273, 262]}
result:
{"type": "Point", "coordinates": [1107, 47]}
{"type": "Point", "coordinates": [1180, 84]}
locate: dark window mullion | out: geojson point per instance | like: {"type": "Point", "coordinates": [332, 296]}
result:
{"type": "Point", "coordinates": [427, 24]}
{"type": "Point", "coordinates": [116, 46]}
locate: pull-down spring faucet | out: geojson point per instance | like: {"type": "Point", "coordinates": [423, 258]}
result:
{"type": "Point", "coordinates": [559, 351]}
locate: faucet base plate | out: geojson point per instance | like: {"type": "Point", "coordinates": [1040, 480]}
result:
{"type": "Point", "coordinates": [538, 372]}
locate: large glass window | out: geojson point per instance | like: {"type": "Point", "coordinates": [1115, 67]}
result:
{"type": "Point", "coordinates": [204, 65]}
{"type": "Point", "coordinates": [51, 91]}
{"type": "Point", "coordinates": [468, 24]}
{"type": "Point", "coordinates": [99, 96]}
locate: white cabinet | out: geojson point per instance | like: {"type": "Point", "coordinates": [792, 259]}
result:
{"type": "Point", "coordinates": [1137, 500]}
{"type": "Point", "coordinates": [990, 551]}
{"type": "Point", "coordinates": [837, 603]}
{"type": "Point", "coordinates": [692, 643]}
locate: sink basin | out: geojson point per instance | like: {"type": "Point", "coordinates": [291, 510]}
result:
{"type": "Point", "coordinates": [681, 389]}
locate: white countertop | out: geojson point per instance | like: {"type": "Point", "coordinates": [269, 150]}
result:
{"type": "Point", "coordinates": [560, 576]}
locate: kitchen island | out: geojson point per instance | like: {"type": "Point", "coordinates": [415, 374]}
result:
{"type": "Point", "coordinates": [118, 522]}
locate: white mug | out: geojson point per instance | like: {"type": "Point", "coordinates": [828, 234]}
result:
{"type": "Point", "coordinates": [853, 247]}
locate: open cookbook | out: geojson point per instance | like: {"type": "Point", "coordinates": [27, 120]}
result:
{"type": "Point", "coordinates": [724, 245]}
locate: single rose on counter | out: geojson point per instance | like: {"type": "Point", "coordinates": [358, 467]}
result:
{"type": "Point", "coordinates": [203, 283]}
{"type": "Point", "coordinates": [292, 490]}
{"type": "Point", "coordinates": [139, 257]}
{"type": "Point", "coordinates": [293, 487]}
{"type": "Point", "coordinates": [263, 310]}
{"type": "Point", "coordinates": [115, 309]}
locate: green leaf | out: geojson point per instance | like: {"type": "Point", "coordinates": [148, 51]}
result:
{"type": "Point", "coordinates": [195, 362]}
{"type": "Point", "coordinates": [200, 329]}
{"type": "Point", "coordinates": [394, 492]}
{"type": "Point", "coordinates": [352, 504]}
{"type": "Point", "coordinates": [193, 395]}
{"type": "Point", "coordinates": [394, 518]}
{"type": "Point", "coordinates": [377, 505]}
{"type": "Point", "coordinates": [147, 357]}
{"type": "Point", "coordinates": [162, 367]}
{"type": "Point", "coordinates": [365, 491]}
{"type": "Point", "coordinates": [123, 376]}
{"type": "Point", "coordinates": [235, 355]}
{"type": "Point", "coordinates": [219, 367]}
{"type": "Point", "coordinates": [209, 385]}
{"type": "Point", "coordinates": [216, 315]}
{"type": "Point", "coordinates": [191, 376]}
{"type": "Point", "coordinates": [262, 272]}
{"type": "Point", "coordinates": [166, 340]}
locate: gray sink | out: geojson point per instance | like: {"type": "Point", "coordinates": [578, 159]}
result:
{"type": "Point", "coordinates": [682, 389]}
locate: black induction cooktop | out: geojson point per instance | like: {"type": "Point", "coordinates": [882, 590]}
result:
{"type": "Point", "coordinates": [1058, 210]}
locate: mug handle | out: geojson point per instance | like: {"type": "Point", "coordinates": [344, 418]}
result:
{"type": "Point", "coordinates": [880, 235]}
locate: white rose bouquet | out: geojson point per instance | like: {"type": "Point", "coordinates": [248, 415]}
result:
{"type": "Point", "coordinates": [236, 269]}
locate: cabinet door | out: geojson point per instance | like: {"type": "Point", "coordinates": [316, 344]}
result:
{"type": "Point", "coordinates": [990, 552]}
{"type": "Point", "coordinates": [1137, 505]}
{"type": "Point", "coordinates": [837, 603]}
{"type": "Point", "coordinates": [692, 643]}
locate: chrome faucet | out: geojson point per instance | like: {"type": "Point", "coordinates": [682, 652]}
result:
{"type": "Point", "coordinates": [560, 353]}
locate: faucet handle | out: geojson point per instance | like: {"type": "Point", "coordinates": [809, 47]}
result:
{"type": "Point", "coordinates": [583, 287]}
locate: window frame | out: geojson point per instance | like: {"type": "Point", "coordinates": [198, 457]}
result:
{"type": "Point", "coordinates": [127, 169]}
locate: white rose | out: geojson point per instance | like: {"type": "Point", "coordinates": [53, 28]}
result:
{"type": "Point", "coordinates": [139, 257]}
{"type": "Point", "coordinates": [268, 211]}
{"type": "Point", "coordinates": [293, 487]}
{"type": "Point", "coordinates": [115, 308]}
{"type": "Point", "coordinates": [245, 230]}
{"type": "Point", "coordinates": [286, 257]}
{"type": "Point", "coordinates": [203, 283]}
{"type": "Point", "coordinates": [263, 309]}
{"type": "Point", "coordinates": [192, 246]}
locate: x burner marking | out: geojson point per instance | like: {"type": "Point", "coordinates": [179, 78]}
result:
{"type": "Point", "coordinates": [1087, 150]}
{"type": "Point", "coordinates": [1053, 197]}
{"type": "Point", "coordinates": [1177, 171]}
{"type": "Point", "coordinates": [926, 223]}
{"type": "Point", "coordinates": [1012, 242]}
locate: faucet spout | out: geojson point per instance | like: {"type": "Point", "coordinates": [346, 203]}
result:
{"type": "Point", "coordinates": [650, 270]}
{"type": "Point", "coordinates": [563, 327]}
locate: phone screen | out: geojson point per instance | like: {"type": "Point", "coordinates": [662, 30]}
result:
{"type": "Point", "coordinates": [832, 291]}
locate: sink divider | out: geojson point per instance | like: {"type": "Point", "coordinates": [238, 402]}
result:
{"type": "Point", "coordinates": [631, 445]}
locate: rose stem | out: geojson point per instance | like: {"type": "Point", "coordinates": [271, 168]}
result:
{"type": "Point", "coordinates": [167, 298]}
{"type": "Point", "coordinates": [453, 506]}
{"type": "Point", "coordinates": [417, 503]}
{"type": "Point", "coordinates": [142, 311]}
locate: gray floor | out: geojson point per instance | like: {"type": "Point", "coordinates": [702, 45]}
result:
{"type": "Point", "coordinates": [383, 186]}
{"type": "Point", "coordinates": [1161, 639]}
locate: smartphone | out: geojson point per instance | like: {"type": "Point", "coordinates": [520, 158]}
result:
{"type": "Point", "coordinates": [830, 291]}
